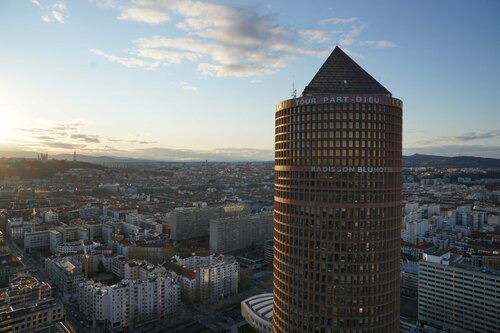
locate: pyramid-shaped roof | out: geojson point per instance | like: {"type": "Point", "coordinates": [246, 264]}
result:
{"type": "Point", "coordinates": [341, 74]}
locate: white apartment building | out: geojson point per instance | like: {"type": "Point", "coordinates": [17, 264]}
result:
{"type": "Point", "coordinates": [206, 279]}
{"type": "Point", "coordinates": [457, 298]}
{"type": "Point", "coordinates": [466, 217]}
{"type": "Point", "coordinates": [413, 226]}
{"type": "Point", "coordinates": [50, 216]}
{"type": "Point", "coordinates": [130, 302]}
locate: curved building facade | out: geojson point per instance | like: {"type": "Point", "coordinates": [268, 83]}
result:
{"type": "Point", "coordinates": [337, 204]}
{"type": "Point", "coordinates": [258, 311]}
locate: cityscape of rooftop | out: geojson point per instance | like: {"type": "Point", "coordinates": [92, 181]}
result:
{"type": "Point", "coordinates": [140, 191]}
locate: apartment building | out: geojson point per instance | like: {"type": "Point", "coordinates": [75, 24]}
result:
{"type": "Point", "coordinates": [456, 297]}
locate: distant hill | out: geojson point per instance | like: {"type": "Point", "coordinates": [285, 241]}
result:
{"type": "Point", "coordinates": [420, 160]}
{"type": "Point", "coordinates": [416, 160]}
{"type": "Point", "coordinates": [31, 168]}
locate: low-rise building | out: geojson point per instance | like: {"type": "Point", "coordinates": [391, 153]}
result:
{"type": "Point", "coordinates": [66, 273]}
{"type": "Point", "coordinates": [9, 265]}
{"type": "Point", "coordinates": [50, 216]}
{"type": "Point", "coordinates": [27, 305]}
{"type": "Point", "coordinates": [37, 241]}
{"type": "Point", "coordinates": [415, 250]}
{"type": "Point", "coordinates": [16, 228]}
{"type": "Point", "coordinates": [258, 312]}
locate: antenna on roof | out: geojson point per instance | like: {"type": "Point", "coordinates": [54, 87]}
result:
{"type": "Point", "coordinates": [294, 91]}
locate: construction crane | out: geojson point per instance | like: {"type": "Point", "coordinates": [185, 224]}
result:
{"type": "Point", "coordinates": [85, 260]}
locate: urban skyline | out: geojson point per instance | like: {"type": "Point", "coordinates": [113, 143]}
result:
{"type": "Point", "coordinates": [140, 190]}
{"type": "Point", "coordinates": [81, 73]}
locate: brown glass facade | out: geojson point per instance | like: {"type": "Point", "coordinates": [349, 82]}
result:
{"type": "Point", "coordinates": [337, 214]}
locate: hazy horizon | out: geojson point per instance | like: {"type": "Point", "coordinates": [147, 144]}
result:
{"type": "Point", "coordinates": [179, 156]}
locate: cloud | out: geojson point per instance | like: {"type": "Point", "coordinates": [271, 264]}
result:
{"type": "Point", "coordinates": [86, 138]}
{"type": "Point", "coordinates": [352, 53]}
{"type": "Point", "coordinates": [145, 15]}
{"type": "Point", "coordinates": [31, 130]}
{"type": "Point", "coordinates": [379, 44]}
{"type": "Point", "coordinates": [58, 128]}
{"type": "Point", "coordinates": [43, 137]}
{"type": "Point", "coordinates": [470, 136]}
{"type": "Point", "coordinates": [338, 20]}
{"type": "Point", "coordinates": [127, 62]}
{"type": "Point", "coordinates": [186, 86]}
{"type": "Point", "coordinates": [476, 136]}
{"type": "Point", "coordinates": [315, 35]}
{"type": "Point", "coordinates": [69, 136]}
{"type": "Point", "coordinates": [64, 145]}
{"type": "Point", "coordinates": [224, 41]}
{"type": "Point", "coordinates": [230, 41]}
{"type": "Point", "coordinates": [456, 150]}
{"type": "Point", "coordinates": [351, 38]}
{"type": "Point", "coordinates": [55, 12]}
{"type": "Point", "coordinates": [105, 3]}
{"type": "Point", "coordinates": [139, 142]}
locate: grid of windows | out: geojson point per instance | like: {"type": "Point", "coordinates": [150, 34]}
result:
{"type": "Point", "coordinates": [337, 218]}
{"type": "Point", "coordinates": [458, 298]}
{"type": "Point", "coordinates": [330, 134]}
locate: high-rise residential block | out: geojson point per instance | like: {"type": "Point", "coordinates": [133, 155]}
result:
{"type": "Point", "coordinates": [238, 232]}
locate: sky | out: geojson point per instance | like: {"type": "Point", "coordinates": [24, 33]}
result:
{"type": "Point", "coordinates": [180, 80]}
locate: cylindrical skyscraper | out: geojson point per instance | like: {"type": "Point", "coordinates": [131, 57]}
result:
{"type": "Point", "coordinates": [337, 204]}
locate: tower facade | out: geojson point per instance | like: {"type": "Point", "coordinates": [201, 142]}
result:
{"type": "Point", "coordinates": [337, 204]}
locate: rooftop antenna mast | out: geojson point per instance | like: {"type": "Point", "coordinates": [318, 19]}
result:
{"type": "Point", "coordinates": [294, 91]}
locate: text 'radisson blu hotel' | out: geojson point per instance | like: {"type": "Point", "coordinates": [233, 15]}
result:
{"type": "Point", "coordinates": [337, 204]}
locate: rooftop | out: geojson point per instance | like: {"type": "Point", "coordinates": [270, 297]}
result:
{"type": "Point", "coordinates": [9, 260]}
{"type": "Point", "coordinates": [262, 305]}
{"type": "Point", "coordinates": [341, 74]}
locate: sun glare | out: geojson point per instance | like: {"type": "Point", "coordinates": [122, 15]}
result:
{"type": "Point", "coordinates": [9, 123]}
